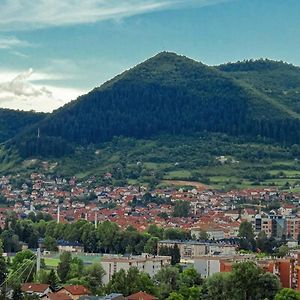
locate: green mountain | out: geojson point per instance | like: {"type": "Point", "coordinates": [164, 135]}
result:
{"type": "Point", "coordinates": [12, 122]}
{"type": "Point", "coordinates": [171, 94]}
{"type": "Point", "coordinates": [277, 80]}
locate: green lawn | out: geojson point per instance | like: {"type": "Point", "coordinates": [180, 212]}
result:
{"type": "Point", "coordinates": [180, 174]}
{"type": "Point", "coordinates": [53, 261]}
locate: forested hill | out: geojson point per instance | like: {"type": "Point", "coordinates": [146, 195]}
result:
{"type": "Point", "coordinates": [13, 122]}
{"type": "Point", "coordinates": [278, 80]}
{"type": "Point", "coordinates": [166, 94]}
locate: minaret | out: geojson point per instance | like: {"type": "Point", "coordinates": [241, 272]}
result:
{"type": "Point", "coordinates": [58, 213]}
{"type": "Point", "coordinates": [38, 134]}
{"type": "Point", "coordinates": [96, 220]}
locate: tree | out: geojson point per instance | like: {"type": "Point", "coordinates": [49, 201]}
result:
{"type": "Point", "coordinates": [203, 235]}
{"type": "Point", "coordinates": [41, 277]}
{"type": "Point", "coordinates": [283, 250]}
{"type": "Point", "coordinates": [64, 266]}
{"type": "Point", "coordinates": [156, 231]}
{"type": "Point", "coordinates": [93, 275]}
{"type": "Point", "coordinates": [181, 209]}
{"type": "Point", "coordinates": [3, 265]}
{"type": "Point", "coordinates": [151, 245]}
{"type": "Point", "coordinates": [168, 281]}
{"type": "Point", "coordinates": [244, 278]}
{"type": "Point", "coordinates": [50, 243]}
{"type": "Point", "coordinates": [247, 235]}
{"type": "Point", "coordinates": [130, 282]}
{"type": "Point", "coordinates": [218, 287]}
{"type": "Point", "coordinates": [246, 231]}
{"type": "Point", "coordinates": [250, 282]}
{"type": "Point", "coordinates": [263, 243]}
{"type": "Point", "coordinates": [287, 294]}
{"type": "Point", "coordinates": [175, 234]}
{"type": "Point", "coordinates": [268, 286]}
{"type": "Point", "coordinates": [118, 283]}
{"type": "Point", "coordinates": [174, 252]}
{"type": "Point", "coordinates": [175, 296]}
{"type": "Point", "coordinates": [52, 280]}
{"type": "Point", "coordinates": [107, 233]}
{"type": "Point", "coordinates": [17, 293]}
{"type": "Point", "coordinates": [76, 268]}
{"type": "Point", "coordinates": [189, 278]}
{"type": "Point", "coordinates": [24, 260]}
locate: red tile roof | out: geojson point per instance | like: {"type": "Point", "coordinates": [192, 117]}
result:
{"type": "Point", "coordinates": [141, 296]}
{"type": "Point", "coordinates": [34, 287]}
{"type": "Point", "coordinates": [77, 290]}
{"type": "Point", "coordinates": [59, 296]}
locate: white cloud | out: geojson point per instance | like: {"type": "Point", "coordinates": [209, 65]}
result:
{"type": "Point", "coordinates": [28, 14]}
{"type": "Point", "coordinates": [8, 42]}
{"type": "Point", "coordinates": [20, 91]}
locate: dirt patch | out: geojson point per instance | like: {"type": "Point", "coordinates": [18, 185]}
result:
{"type": "Point", "coordinates": [196, 184]}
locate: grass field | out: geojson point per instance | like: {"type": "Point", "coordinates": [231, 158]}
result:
{"type": "Point", "coordinates": [52, 260]}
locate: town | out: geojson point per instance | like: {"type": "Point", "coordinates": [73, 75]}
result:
{"type": "Point", "coordinates": [194, 227]}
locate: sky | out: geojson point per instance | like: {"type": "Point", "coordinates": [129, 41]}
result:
{"type": "Point", "coordinates": [52, 51]}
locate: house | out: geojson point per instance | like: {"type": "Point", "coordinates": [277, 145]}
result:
{"type": "Point", "coordinates": [74, 291]}
{"type": "Point", "coordinates": [112, 296]}
{"type": "Point", "coordinates": [141, 296]}
{"type": "Point", "coordinates": [66, 246]}
{"type": "Point", "coordinates": [38, 289]}
{"type": "Point", "coordinates": [56, 296]}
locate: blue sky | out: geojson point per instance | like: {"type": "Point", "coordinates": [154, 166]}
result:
{"type": "Point", "coordinates": [51, 52]}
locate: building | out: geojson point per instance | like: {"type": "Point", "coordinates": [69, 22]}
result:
{"type": "Point", "coordinates": [149, 264]}
{"type": "Point", "coordinates": [191, 248]}
{"type": "Point", "coordinates": [208, 265]}
{"type": "Point", "coordinates": [74, 291]}
{"type": "Point", "coordinates": [287, 269]}
{"type": "Point", "coordinates": [292, 227]}
{"type": "Point", "coordinates": [141, 296]}
{"type": "Point", "coordinates": [56, 296]}
{"type": "Point", "coordinates": [38, 289]}
{"type": "Point", "coordinates": [66, 246]}
{"type": "Point", "coordinates": [112, 296]}
{"type": "Point", "coordinates": [212, 233]}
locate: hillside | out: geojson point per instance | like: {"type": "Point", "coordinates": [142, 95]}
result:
{"type": "Point", "coordinates": [278, 80]}
{"type": "Point", "coordinates": [167, 94]}
{"type": "Point", "coordinates": [13, 122]}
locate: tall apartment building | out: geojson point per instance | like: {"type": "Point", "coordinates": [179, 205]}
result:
{"type": "Point", "coordinates": [287, 269]}
{"type": "Point", "coordinates": [277, 226]}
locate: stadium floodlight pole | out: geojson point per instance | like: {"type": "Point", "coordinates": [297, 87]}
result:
{"type": "Point", "coordinates": [38, 260]}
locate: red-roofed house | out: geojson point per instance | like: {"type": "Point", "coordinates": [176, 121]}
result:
{"type": "Point", "coordinates": [74, 291]}
{"type": "Point", "coordinates": [56, 296]}
{"type": "Point", "coordinates": [141, 296]}
{"type": "Point", "coordinates": [38, 289]}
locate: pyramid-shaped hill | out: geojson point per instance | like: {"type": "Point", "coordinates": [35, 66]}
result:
{"type": "Point", "coordinates": [167, 94]}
